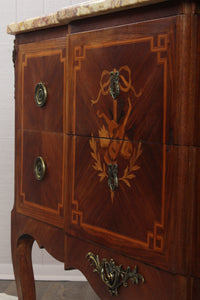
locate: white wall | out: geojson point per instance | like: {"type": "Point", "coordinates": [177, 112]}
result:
{"type": "Point", "coordinates": [11, 11]}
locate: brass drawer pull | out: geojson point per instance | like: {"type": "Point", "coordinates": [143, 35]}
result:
{"type": "Point", "coordinates": [39, 168]}
{"type": "Point", "coordinates": [40, 94]}
{"type": "Point", "coordinates": [112, 275]}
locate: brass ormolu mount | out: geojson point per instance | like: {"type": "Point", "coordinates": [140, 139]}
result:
{"type": "Point", "coordinates": [112, 275]}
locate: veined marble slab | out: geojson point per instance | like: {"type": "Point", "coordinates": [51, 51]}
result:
{"type": "Point", "coordinates": [33, 24]}
{"type": "Point", "coordinates": [99, 7]}
{"type": "Point", "coordinates": [74, 12]}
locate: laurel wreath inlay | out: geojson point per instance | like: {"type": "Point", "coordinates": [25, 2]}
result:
{"type": "Point", "coordinates": [129, 171]}
{"type": "Point", "coordinates": [100, 167]}
{"type": "Point", "coordinates": [114, 146]}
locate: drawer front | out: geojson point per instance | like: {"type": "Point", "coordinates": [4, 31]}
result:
{"type": "Point", "coordinates": [41, 90]}
{"type": "Point", "coordinates": [143, 214]}
{"type": "Point", "coordinates": [123, 206]}
{"type": "Point", "coordinates": [121, 86]}
{"type": "Point", "coordinates": [39, 167]}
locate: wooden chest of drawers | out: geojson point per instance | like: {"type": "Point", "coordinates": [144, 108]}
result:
{"type": "Point", "coordinates": [107, 151]}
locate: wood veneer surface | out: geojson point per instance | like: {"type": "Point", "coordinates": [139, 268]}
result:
{"type": "Point", "coordinates": [152, 220]}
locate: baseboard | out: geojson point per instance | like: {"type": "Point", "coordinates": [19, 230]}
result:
{"type": "Point", "coordinates": [44, 272]}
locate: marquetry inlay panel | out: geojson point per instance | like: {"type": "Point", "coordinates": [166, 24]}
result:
{"type": "Point", "coordinates": [130, 131]}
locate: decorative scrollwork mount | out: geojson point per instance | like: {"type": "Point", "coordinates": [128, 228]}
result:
{"type": "Point", "coordinates": [112, 275]}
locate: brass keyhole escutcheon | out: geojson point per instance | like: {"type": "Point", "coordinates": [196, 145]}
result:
{"type": "Point", "coordinates": [39, 168]}
{"type": "Point", "coordinates": [40, 94]}
{"type": "Point", "coordinates": [112, 176]}
{"type": "Point", "coordinates": [114, 84]}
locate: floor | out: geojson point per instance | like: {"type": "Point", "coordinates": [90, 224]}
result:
{"type": "Point", "coordinates": [56, 290]}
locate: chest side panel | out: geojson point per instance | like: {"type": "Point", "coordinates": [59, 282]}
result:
{"type": "Point", "coordinates": [39, 129]}
{"type": "Point", "coordinates": [196, 224]}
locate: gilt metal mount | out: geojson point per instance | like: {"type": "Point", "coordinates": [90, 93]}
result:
{"type": "Point", "coordinates": [112, 176]}
{"type": "Point", "coordinates": [114, 84]}
{"type": "Point", "coordinates": [112, 275]}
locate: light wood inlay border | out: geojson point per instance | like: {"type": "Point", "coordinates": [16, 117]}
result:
{"type": "Point", "coordinates": [158, 46]}
{"type": "Point", "coordinates": [27, 51]}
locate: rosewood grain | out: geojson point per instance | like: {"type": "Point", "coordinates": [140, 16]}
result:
{"type": "Point", "coordinates": [46, 195]}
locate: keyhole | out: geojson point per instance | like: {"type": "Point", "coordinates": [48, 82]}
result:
{"type": "Point", "coordinates": [112, 176]}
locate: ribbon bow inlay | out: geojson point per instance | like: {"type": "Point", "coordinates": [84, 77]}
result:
{"type": "Point", "coordinates": [124, 82]}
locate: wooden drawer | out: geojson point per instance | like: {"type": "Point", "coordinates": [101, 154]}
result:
{"type": "Point", "coordinates": [42, 199]}
{"type": "Point", "coordinates": [144, 215]}
{"type": "Point", "coordinates": [134, 59]}
{"type": "Point", "coordinates": [42, 63]}
{"type": "Point", "coordinates": [115, 216]}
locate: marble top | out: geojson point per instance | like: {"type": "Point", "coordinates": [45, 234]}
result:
{"type": "Point", "coordinates": [74, 12]}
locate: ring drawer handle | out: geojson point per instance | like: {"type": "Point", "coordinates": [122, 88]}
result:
{"type": "Point", "coordinates": [40, 94]}
{"type": "Point", "coordinates": [39, 168]}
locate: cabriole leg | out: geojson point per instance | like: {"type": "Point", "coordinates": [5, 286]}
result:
{"type": "Point", "coordinates": [22, 264]}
